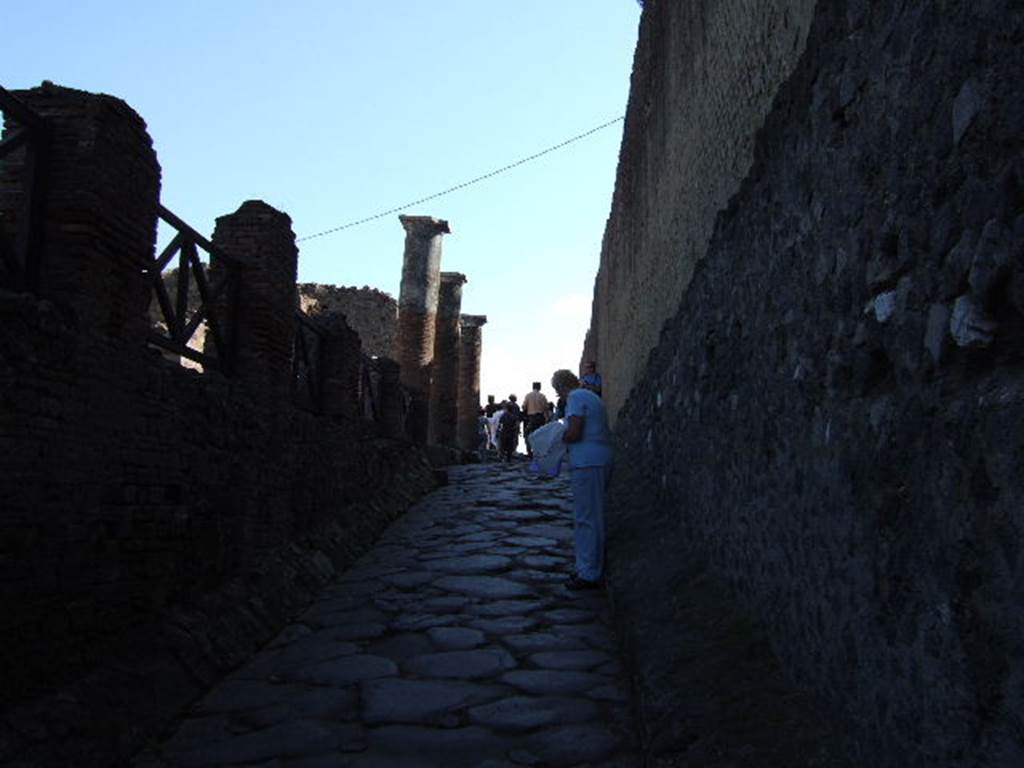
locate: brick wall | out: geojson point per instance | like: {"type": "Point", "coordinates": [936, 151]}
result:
{"type": "Point", "coordinates": [704, 77]}
{"type": "Point", "coordinates": [158, 524]}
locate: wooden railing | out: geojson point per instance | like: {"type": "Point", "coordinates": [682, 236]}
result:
{"type": "Point", "coordinates": [216, 298]}
{"type": "Point", "coordinates": [22, 258]}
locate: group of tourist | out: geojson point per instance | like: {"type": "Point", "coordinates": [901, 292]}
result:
{"type": "Point", "coordinates": [587, 439]}
{"type": "Point", "coordinates": [499, 423]}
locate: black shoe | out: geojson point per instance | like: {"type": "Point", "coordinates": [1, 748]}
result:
{"type": "Point", "coordinates": [576, 583]}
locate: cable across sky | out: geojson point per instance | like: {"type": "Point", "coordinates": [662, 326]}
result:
{"type": "Point", "coordinates": [465, 184]}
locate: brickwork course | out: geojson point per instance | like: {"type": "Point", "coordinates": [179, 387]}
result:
{"type": "Point", "coordinates": [704, 78]}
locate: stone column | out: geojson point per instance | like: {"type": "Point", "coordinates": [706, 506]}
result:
{"type": "Point", "coordinates": [96, 227]}
{"type": "Point", "coordinates": [469, 379]}
{"type": "Point", "coordinates": [444, 384]}
{"type": "Point", "coordinates": [417, 314]}
{"type": "Point", "coordinates": [262, 321]}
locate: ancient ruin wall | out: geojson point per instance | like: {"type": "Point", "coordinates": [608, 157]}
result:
{"type": "Point", "coordinates": [704, 76]}
{"type": "Point", "coordinates": [833, 419]}
{"type": "Point", "coordinates": [157, 525]}
{"type": "Point", "coordinates": [371, 313]}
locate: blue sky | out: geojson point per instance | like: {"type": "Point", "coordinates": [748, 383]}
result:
{"type": "Point", "coordinates": [333, 111]}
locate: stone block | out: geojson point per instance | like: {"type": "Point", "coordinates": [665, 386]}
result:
{"type": "Point", "coordinates": [966, 107]}
{"type": "Point", "coordinates": [969, 325]}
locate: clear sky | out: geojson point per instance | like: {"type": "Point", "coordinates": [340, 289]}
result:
{"type": "Point", "coordinates": [333, 110]}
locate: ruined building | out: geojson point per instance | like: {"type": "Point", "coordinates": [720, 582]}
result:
{"type": "Point", "coordinates": [159, 524]}
{"type": "Point", "coordinates": [371, 313]}
{"type": "Point", "coordinates": [810, 318]}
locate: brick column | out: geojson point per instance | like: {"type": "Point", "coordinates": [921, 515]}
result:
{"type": "Point", "coordinates": [101, 191]}
{"type": "Point", "coordinates": [444, 383]}
{"type": "Point", "coordinates": [417, 314]}
{"type": "Point", "coordinates": [262, 321]}
{"type": "Point", "coordinates": [469, 379]}
{"type": "Point", "coordinates": [341, 351]}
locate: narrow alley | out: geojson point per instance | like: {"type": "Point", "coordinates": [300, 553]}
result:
{"type": "Point", "coordinates": [453, 642]}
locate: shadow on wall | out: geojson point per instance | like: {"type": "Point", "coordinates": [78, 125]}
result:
{"type": "Point", "coordinates": [832, 420]}
{"type": "Point", "coordinates": [705, 75]}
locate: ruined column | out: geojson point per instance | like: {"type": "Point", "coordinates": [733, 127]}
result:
{"type": "Point", "coordinates": [417, 315]}
{"type": "Point", "coordinates": [94, 229]}
{"type": "Point", "coordinates": [263, 324]}
{"type": "Point", "coordinates": [444, 385]}
{"type": "Point", "coordinates": [469, 379]}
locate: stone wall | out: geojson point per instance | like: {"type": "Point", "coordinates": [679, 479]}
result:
{"type": "Point", "coordinates": [704, 76]}
{"type": "Point", "coordinates": [832, 421]}
{"type": "Point", "coordinates": [157, 524]}
{"type": "Point", "coordinates": [371, 313]}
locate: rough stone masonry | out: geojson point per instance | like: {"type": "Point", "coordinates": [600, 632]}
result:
{"type": "Point", "coordinates": [831, 425]}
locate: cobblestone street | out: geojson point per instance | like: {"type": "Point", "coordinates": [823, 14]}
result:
{"type": "Point", "coordinates": [452, 643]}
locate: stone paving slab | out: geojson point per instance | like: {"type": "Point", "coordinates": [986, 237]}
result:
{"type": "Point", "coordinates": [452, 643]}
{"type": "Point", "coordinates": [455, 638]}
{"type": "Point", "coordinates": [343, 671]}
{"type": "Point", "coordinates": [525, 713]}
{"type": "Point", "coordinates": [422, 701]}
{"type": "Point", "coordinates": [483, 586]}
{"type": "Point", "coordinates": [464, 665]}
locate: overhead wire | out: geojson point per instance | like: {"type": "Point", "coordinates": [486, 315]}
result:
{"type": "Point", "coordinates": [464, 184]}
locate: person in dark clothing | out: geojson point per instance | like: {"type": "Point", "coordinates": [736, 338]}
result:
{"type": "Point", "coordinates": [508, 429]}
{"type": "Point", "coordinates": [492, 407]}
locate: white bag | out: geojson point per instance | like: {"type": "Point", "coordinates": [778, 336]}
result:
{"type": "Point", "coordinates": [548, 448]}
